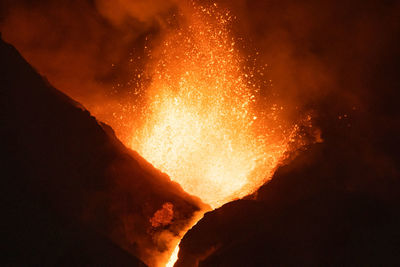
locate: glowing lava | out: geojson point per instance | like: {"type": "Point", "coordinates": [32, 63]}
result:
{"type": "Point", "coordinates": [173, 258]}
{"type": "Point", "coordinates": [201, 125]}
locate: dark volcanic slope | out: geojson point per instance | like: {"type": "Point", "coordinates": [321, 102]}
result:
{"type": "Point", "coordinates": [316, 211]}
{"type": "Point", "coordinates": [72, 192]}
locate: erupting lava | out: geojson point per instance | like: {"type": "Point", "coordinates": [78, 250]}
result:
{"type": "Point", "coordinates": [173, 258]}
{"type": "Point", "coordinates": [201, 126]}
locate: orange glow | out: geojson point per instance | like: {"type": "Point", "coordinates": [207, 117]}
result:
{"type": "Point", "coordinates": [163, 216]}
{"type": "Point", "coordinates": [173, 258]}
{"type": "Point", "coordinates": [201, 123]}
{"type": "Point", "coordinates": [201, 126]}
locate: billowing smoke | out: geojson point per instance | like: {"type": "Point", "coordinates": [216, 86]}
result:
{"type": "Point", "coordinates": [121, 11]}
{"type": "Point", "coordinates": [95, 50]}
{"type": "Point", "coordinates": [319, 56]}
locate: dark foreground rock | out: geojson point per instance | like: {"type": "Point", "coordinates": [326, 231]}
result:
{"type": "Point", "coordinates": [312, 213]}
{"type": "Point", "coordinates": [71, 192]}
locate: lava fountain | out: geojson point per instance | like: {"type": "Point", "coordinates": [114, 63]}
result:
{"type": "Point", "coordinates": [201, 125]}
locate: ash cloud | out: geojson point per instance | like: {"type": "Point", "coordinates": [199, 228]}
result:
{"type": "Point", "coordinates": [94, 49]}
{"type": "Point", "coordinates": [335, 59]}
{"type": "Point", "coordinates": [120, 11]}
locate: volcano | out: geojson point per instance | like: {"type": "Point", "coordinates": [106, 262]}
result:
{"type": "Point", "coordinates": [186, 151]}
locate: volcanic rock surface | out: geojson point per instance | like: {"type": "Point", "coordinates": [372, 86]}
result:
{"type": "Point", "coordinates": [72, 192]}
{"type": "Point", "coordinates": [321, 209]}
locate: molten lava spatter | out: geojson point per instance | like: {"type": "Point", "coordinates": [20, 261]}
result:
{"type": "Point", "coordinates": [200, 124]}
